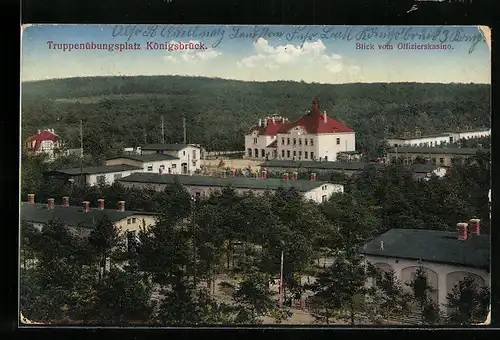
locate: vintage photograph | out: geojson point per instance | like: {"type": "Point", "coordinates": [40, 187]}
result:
{"type": "Point", "coordinates": [183, 175]}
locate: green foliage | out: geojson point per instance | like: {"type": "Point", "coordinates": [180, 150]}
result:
{"type": "Point", "coordinates": [253, 299]}
{"type": "Point", "coordinates": [468, 303]}
{"type": "Point", "coordinates": [422, 296]}
{"type": "Point", "coordinates": [390, 298]}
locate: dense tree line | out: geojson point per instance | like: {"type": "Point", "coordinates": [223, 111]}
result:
{"type": "Point", "coordinates": [126, 111]}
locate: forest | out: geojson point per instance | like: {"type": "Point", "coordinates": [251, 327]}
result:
{"type": "Point", "coordinates": [226, 233]}
{"type": "Point", "coordinates": [122, 112]}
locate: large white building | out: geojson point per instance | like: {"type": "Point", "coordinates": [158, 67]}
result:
{"type": "Point", "coordinates": [446, 257]}
{"type": "Point", "coordinates": [436, 140]}
{"type": "Point", "coordinates": [315, 136]}
{"type": "Point", "coordinates": [318, 191]}
{"type": "Point", "coordinates": [189, 155]}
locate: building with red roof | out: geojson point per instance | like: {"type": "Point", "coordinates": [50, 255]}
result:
{"type": "Point", "coordinates": [314, 136]}
{"type": "Point", "coordinates": [43, 142]}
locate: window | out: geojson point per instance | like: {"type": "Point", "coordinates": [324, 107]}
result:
{"type": "Point", "coordinates": [338, 141]}
{"type": "Point", "coordinates": [300, 141]}
{"type": "Point", "coordinates": [255, 140]}
{"type": "Point", "coordinates": [184, 153]}
{"type": "Point", "coordinates": [117, 176]}
{"type": "Point", "coordinates": [283, 153]}
{"type": "Point", "coordinates": [326, 158]}
{"type": "Point", "coordinates": [433, 161]}
{"type": "Point", "coordinates": [174, 166]}
{"type": "Point", "coordinates": [194, 154]}
{"type": "Point", "coordinates": [312, 155]}
{"type": "Point", "coordinates": [134, 219]}
{"type": "Point", "coordinates": [150, 168]}
{"type": "Point", "coordinates": [294, 141]}
{"type": "Point", "coordinates": [300, 154]}
{"type": "Point", "coordinates": [288, 141]}
{"type": "Point", "coordinates": [323, 187]}
{"type": "Point", "coordinates": [305, 154]}
{"type": "Point", "coordinates": [263, 153]}
{"type": "Point", "coordinates": [256, 153]}
{"type": "Point", "coordinates": [441, 161]}
{"type": "Point", "coordinates": [249, 152]}
{"type": "Point", "coordinates": [162, 167]}
{"type": "Point", "coordinates": [197, 194]}
{"type": "Point", "coordinates": [101, 179]}
{"type": "Point", "coordinates": [294, 153]}
{"type": "Point", "coordinates": [323, 198]}
{"type": "Point", "coordinates": [288, 153]}
{"type": "Point", "coordinates": [282, 141]}
{"type": "Point", "coordinates": [129, 221]}
{"type": "Point", "coordinates": [305, 141]}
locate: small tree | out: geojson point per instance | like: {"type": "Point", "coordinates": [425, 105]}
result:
{"type": "Point", "coordinates": [103, 239]}
{"type": "Point", "coordinates": [341, 288]}
{"type": "Point", "coordinates": [253, 299]}
{"type": "Point", "coordinates": [467, 303]}
{"type": "Point", "coordinates": [422, 295]}
{"type": "Point", "coordinates": [391, 298]}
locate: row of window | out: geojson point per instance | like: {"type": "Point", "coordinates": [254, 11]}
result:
{"type": "Point", "coordinates": [433, 160]}
{"type": "Point", "coordinates": [131, 220]}
{"type": "Point", "coordinates": [295, 141]}
{"type": "Point", "coordinates": [294, 153]}
{"type": "Point", "coordinates": [162, 167]}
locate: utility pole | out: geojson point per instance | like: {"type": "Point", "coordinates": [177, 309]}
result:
{"type": "Point", "coordinates": [145, 137]}
{"type": "Point", "coordinates": [184, 127]}
{"type": "Point", "coordinates": [162, 130]}
{"type": "Point", "coordinates": [193, 216]}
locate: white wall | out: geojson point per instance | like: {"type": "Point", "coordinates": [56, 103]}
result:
{"type": "Point", "coordinates": [324, 190]}
{"type": "Point", "coordinates": [415, 142]}
{"type": "Point", "coordinates": [174, 165]}
{"type": "Point", "coordinates": [262, 142]}
{"type": "Point", "coordinates": [328, 147]}
{"type": "Point", "coordinates": [109, 177]}
{"type": "Point", "coordinates": [472, 134]}
{"type": "Point", "coordinates": [447, 275]}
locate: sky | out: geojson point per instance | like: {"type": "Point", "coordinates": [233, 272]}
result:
{"type": "Point", "coordinates": [320, 54]}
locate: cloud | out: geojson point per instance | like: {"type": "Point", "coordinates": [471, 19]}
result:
{"type": "Point", "coordinates": [272, 58]}
{"type": "Point", "coordinates": [191, 55]}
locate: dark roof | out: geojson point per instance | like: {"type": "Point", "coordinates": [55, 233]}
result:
{"type": "Point", "coordinates": [432, 245]}
{"type": "Point", "coordinates": [73, 215]}
{"type": "Point", "coordinates": [236, 182]}
{"type": "Point", "coordinates": [451, 151]}
{"type": "Point", "coordinates": [97, 170]}
{"type": "Point", "coordinates": [147, 158]}
{"type": "Point", "coordinates": [318, 165]}
{"type": "Point", "coordinates": [165, 147]}
{"type": "Point", "coordinates": [424, 168]}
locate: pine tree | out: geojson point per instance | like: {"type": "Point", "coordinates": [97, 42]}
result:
{"type": "Point", "coordinates": [468, 302]}
{"type": "Point", "coordinates": [422, 295]}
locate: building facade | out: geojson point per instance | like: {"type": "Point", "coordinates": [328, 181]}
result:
{"type": "Point", "coordinates": [437, 156]}
{"type": "Point", "coordinates": [189, 155]}
{"type": "Point", "coordinates": [446, 258]}
{"type": "Point", "coordinates": [44, 142]}
{"type": "Point", "coordinates": [436, 140]}
{"type": "Point", "coordinates": [318, 191]}
{"type": "Point", "coordinates": [158, 163]}
{"type": "Point", "coordinates": [95, 175]}
{"type": "Point", "coordinates": [315, 136]}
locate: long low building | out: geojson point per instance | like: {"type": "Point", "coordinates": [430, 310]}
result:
{"type": "Point", "coordinates": [436, 156]}
{"type": "Point", "coordinates": [94, 175]}
{"type": "Point", "coordinates": [317, 191]}
{"type": "Point", "coordinates": [447, 257]}
{"type": "Point", "coordinates": [438, 139]}
{"type": "Point", "coordinates": [281, 166]}
{"type": "Point", "coordinates": [156, 162]}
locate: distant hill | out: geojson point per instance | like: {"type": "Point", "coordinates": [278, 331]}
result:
{"type": "Point", "coordinates": [126, 111]}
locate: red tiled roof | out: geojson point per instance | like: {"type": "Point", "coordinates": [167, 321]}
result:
{"type": "Point", "coordinates": [42, 136]}
{"type": "Point", "coordinates": [271, 128]}
{"type": "Point", "coordinates": [313, 122]}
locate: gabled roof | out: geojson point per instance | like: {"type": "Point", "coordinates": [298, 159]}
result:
{"type": "Point", "coordinates": [429, 150]}
{"type": "Point", "coordinates": [432, 246]}
{"type": "Point", "coordinates": [96, 170]}
{"type": "Point", "coordinates": [271, 127]}
{"type": "Point", "coordinates": [236, 182]}
{"type": "Point", "coordinates": [42, 136]}
{"type": "Point", "coordinates": [166, 147]}
{"type": "Point", "coordinates": [147, 158]}
{"type": "Point", "coordinates": [314, 122]}
{"type": "Point", "coordinates": [72, 215]}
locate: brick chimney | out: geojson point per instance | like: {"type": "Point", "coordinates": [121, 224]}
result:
{"type": "Point", "coordinates": [100, 204]}
{"type": "Point", "coordinates": [65, 201]}
{"type": "Point", "coordinates": [31, 198]}
{"type": "Point", "coordinates": [474, 226]}
{"type": "Point", "coordinates": [462, 231]}
{"type": "Point", "coordinates": [121, 206]}
{"type": "Point", "coordinates": [50, 205]}
{"type": "Point", "coordinates": [286, 176]}
{"type": "Point", "coordinates": [86, 206]}
{"type": "Point", "coordinates": [324, 116]}
{"type": "Point", "coordinates": [264, 174]}
{"type": "Point", "coordinates": [313, 176]}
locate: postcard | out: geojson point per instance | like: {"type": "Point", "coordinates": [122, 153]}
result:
{"type": "Point", "coordinates": [204, 175]}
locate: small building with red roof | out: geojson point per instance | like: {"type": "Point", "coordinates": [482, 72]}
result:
{"type": "Point", "coordinates": [43, 142]}
{"type": "Point", "coordinates": [314, 136]}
